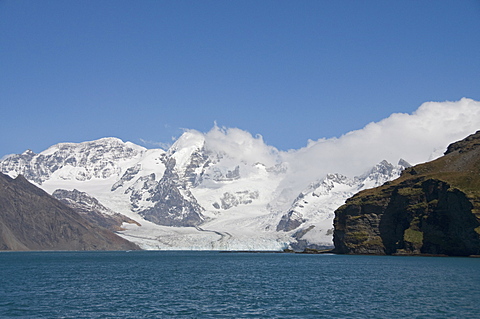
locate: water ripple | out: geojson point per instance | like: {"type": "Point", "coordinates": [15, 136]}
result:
{"type": "Point", "coordinates": [216, 285]}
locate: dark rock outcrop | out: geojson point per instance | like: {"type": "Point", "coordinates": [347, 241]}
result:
{"type": "Point", "coordinates": [229, 200]}
{"type": "Point", "coordinates": [92, 210]}
{"type": "Point", "coordinates": [290, 221]}
{"type": "Point", "coordinates": [174, 203]}
{"type": "Point", "coordinates": [30, 219]}
{"type": "Point", "coordinates": [433, 208]}
{"type": "Point", "coordinates": [127, 176]}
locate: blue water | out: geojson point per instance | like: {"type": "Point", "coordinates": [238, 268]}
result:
{"type": "Point", "coordinates": [235, 285]}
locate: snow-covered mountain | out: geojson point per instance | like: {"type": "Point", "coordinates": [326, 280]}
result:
{"type": "Point", "coordinates": [312, 212]}
{"type": "Point", "coordinates": [70, 161]}
{"type": "Point", "coordinates": [226, 189]}
{"type": "Point", "coordinates": [197, 195]}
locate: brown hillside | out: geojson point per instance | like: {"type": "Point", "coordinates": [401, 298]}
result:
{"type": "Point", "coordinates": [433, 208]}
{"type": "Point", "coordinates": [30, 219]}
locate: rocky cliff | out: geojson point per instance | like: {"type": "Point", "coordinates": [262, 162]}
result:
{"type": "Point", "coordinates": [30, 219]}
{"type": "Point", "coordinates": [433, 208]}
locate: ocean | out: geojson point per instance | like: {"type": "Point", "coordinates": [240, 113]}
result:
{"type": "Point", "coordinates": [197, 284]}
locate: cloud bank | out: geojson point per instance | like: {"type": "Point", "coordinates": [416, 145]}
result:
{"type": "Point", "coordinates": [241, 145]}
{"type": "Point", "coordinates": [417, 137]}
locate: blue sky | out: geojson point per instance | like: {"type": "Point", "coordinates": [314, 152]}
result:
{"type": "Point", "coordinates": [72, 71]}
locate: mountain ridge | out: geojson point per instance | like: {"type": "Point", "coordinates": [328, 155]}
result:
{"type": "Point", "coordinates": [234, 201]}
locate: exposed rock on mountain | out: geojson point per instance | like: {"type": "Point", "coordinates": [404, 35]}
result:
{"type": "Point", "coordinates": [230, 200]}
{"type": "Point", "coordinates": [84, 161]}
{"type": "Point", "coordinates": [174, 204]}
{"type": "Point", "coordinates": [30, 219]}
{"type": "Point", "coordinates": [127, 176]}
{"type": "Point", "coordinates": [92, 210]}
{"type": "Point", "coordinates": [328, 194]}
{"type": "Point", "coordinates": [433, 208]}
{"type": "Point", "coordinates": [290, 221]}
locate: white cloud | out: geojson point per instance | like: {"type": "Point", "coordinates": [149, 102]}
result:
{"type": "Point", "coordinates": [417, 137]}
{"type": "Point", "coordinates": [241, 145]}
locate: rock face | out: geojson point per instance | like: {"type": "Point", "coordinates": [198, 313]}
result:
{"type": "Point", "coordinates": [174, 204]}
{"type": "Point", "coordinates": [30, 219]}
{"type": "Point", "coordinates": [92, 210]}
{"type": "Point", "coordinates": [433, 208]}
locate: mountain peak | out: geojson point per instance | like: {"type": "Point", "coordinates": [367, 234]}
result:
{"type": "Point", "coordinates": [190, 140]}
{"type": "Point", "coordinates": [109, 142]}
{"type": "Point", "coordinates": [29, 153]}
{"type": "Point", "coordinates": [188, 143]}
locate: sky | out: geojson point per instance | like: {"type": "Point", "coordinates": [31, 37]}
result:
{"type": "Point", "coordinates": [290, 71]}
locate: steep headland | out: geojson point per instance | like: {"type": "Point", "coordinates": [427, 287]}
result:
{"type": "Point", "coordinates": [30, 219]}
{"type": "Point", "coordinates": [432, 208]}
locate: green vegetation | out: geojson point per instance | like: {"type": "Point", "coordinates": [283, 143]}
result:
{"type": "Point", "coordinates": [413, 236]}
{"type": "Point", "coordinates": [358, 237]}
{"type": "Point", "coordinates": [353, 217]}
{"type": "Point", "coordinates": [421, 206]}
{"type": "Point", "coordinates": [410, 191]}
{"type": "Point", "coordinates": [374, 242]}
{"type": "Point", "coordinates": [433, 203]}
{"type": "Point", "coordinates": [476, 212]}
{"type": "Point", "coordinates": [477, 230]}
